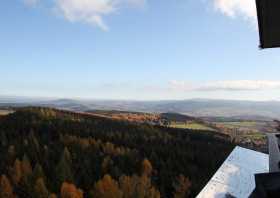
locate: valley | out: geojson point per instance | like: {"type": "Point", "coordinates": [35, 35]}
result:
{"type": "Point", "coordinates": [161, 152]}
{"type": "Point", "coordinates": [247, 133]}
{"type": "Point", "coordinates": [88, 152]}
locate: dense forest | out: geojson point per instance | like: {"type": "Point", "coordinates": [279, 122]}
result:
{"type": "Point", "coordinates": [48, 153]}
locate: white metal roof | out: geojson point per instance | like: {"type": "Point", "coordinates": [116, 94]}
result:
{"type": "Point", "coordinates": [236, 175]}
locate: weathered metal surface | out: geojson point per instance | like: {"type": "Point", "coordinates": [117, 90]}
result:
{"type": "Point", "coordinates": [236, 175]}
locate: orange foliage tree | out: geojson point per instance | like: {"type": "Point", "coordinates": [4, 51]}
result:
{"type": "Point", "coordinates": [6, 190]}
{"type": "Point", "coordinates": [147, 167]}
{"type": "Point", "coordinates": [107, 188]}
{"type": "Point", "coordinates": [70, 191]}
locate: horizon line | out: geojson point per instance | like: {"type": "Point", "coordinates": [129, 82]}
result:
{"type": "Point", "coordinates": [51, 98]}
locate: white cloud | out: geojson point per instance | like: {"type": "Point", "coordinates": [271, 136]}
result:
{"type": "Point", "coordinates": [88, 11]}
{"type": "Point", "coordinates": [31, 3]}
{"type": "Point", "coordinates": [92, 11]}
{"type": "Point", "coordinates": [238, 85]}
{"type": "Point", "coordinates": [234, 8]}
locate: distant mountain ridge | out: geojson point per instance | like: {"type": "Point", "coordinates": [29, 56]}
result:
{"type": "Point", "coordinates": [192, 107]}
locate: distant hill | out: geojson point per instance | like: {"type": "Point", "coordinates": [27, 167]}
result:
{"type": "Point", "coordinates": [194, 107]}
{"type": "Point", "coordinates": [136, 117]}
{"type": "Point", "coordinates": [141, 117]}
{"type": "Point", "coordinates": [176, 117]}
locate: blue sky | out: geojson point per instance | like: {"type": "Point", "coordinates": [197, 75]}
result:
{"type": "Point", "coordinates": [135, 49]}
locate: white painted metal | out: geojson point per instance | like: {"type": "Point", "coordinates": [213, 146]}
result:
{"type": "Point", "coordinates": [236, 175]}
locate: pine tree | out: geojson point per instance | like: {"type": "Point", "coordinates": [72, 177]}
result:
{"type": "Point", "coordinates": [143, 186]}
{"type": "Point", "coordinates": [182, 186]}
{"type": "Point", "coordinates": [3, 140]}
{"type": "Point", "coordinates": [106, 164]}
{"type": "Point", "coordinates": [63, 170]}
{"type": "Point", "coordinates": [67, 155]}
{"type": "Point", "coordinates": [34, 143]}
{"type": "Point", "coordinates": [40, 189]}
{"type": "Point", "coordinates": [11, 154]}
{"type": "Point", "coordinates": [38, 172]}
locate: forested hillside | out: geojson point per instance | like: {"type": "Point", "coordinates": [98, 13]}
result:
{"type": "Point", "coordinates": [47, 153]}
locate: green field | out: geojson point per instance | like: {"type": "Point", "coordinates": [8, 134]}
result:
{"type": "Point", "coordinates": [192, 125]}
{"type": "Point", "coordinates": [256, 136]}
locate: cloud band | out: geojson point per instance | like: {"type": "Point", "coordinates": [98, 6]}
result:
{"type": "Point", "coordinates": [238, 85]}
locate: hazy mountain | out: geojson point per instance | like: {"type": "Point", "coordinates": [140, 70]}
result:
{"type": "Point", "coordinates": [193, 107]}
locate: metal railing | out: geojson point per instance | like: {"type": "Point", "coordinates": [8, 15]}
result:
{"type": "Point", "coordinates": [274, 152]}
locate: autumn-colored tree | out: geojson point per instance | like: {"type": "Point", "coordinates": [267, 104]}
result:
{"type": "Point", "coordinates": [107, 188]}
{"type": "Point", "coordinates": [144, 187]}
{"type": "Point", "coordinates": [127, 186]}
{"type": "Point", "coordinates": [52, 196]}
{"type": "Point", "coordinates": [70, 191]}
{"type": "Point", "coordinates": [108, 148]}
{"type": "Point", "coordinates": [6, 190]}
{"type": "Point", "coordinates": [147, 167]}
{"type": "Point", "coordinates": [40, 189]}
{"type": "Point", "coordinates": [153, 193]}
{"type": "Point", "coordinates": [84, 143]}
{"type": "Point", "coordinates": [26, 170]}
{"type": "Point", "coordinates": [182, 187]}
{"type": "Point", "coordinates": [26, 166]}
{"type": "Point", "coordinates": [15, 172]}
{"type": "Point", "coordinates": [139, 187]}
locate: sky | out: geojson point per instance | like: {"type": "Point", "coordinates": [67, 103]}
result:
{"type": "Point", "coordinates": [135, 50]}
